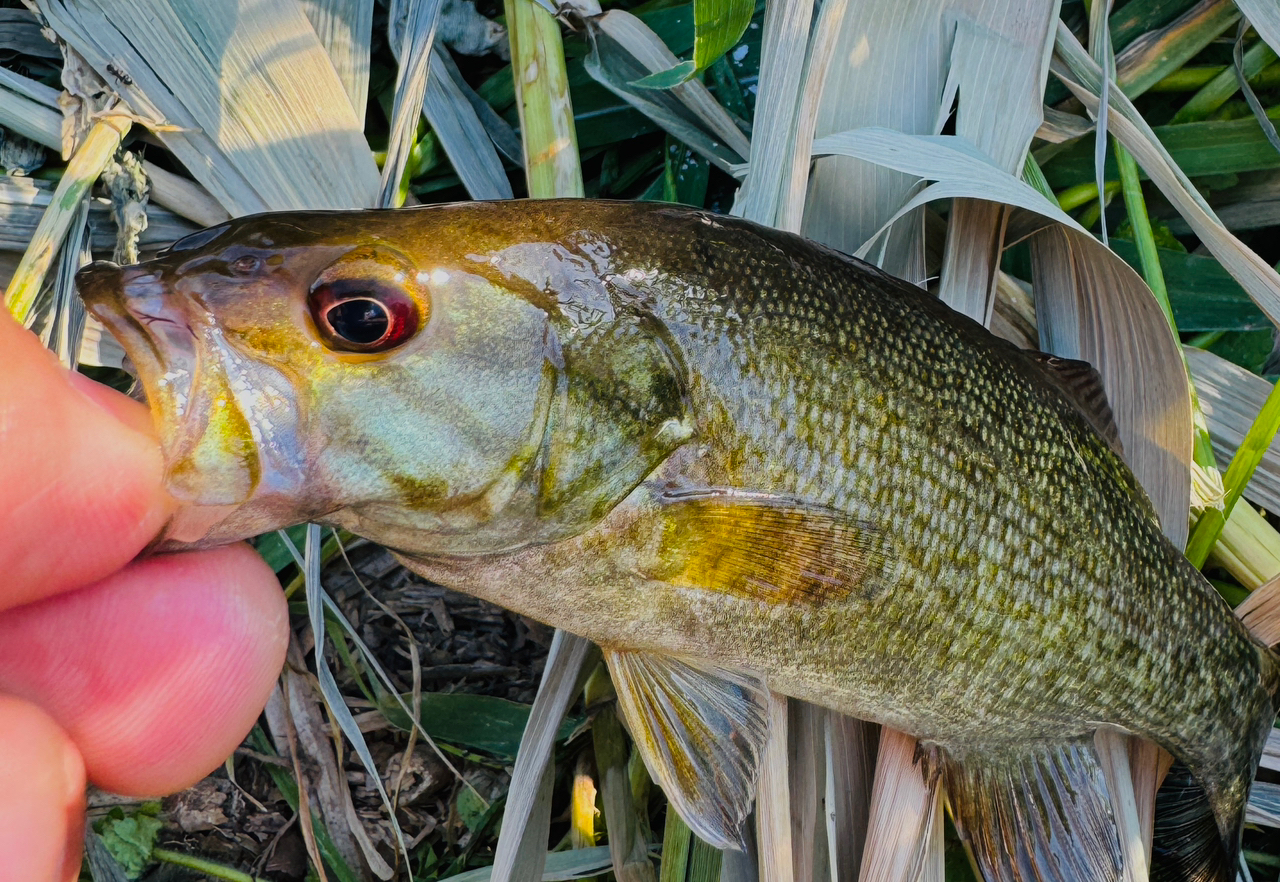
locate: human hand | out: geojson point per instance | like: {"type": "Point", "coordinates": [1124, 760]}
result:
{"type": "Point", "coordinates": [141, 675]}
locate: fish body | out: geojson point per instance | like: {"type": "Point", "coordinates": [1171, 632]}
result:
{"type": "Point", "coordinates": [733, 458]}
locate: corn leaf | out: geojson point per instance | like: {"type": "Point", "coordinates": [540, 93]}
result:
{"type": "Point", "coordinates": [242, 93]}
{"type": "Point", "coordinates": [345, 29]}
{"type": "Point", "coordinates": [462, 134]}
{"type": "Point", "coordinates": [1232, 398]}
{"type": "Point", "coordinates": [718, 26]}
{"type": "Point", "coordinates": [412, 29]}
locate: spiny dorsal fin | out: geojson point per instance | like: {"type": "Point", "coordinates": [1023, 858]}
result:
{"type": "Point", "coordinates": [700, 730]}
{"type": "Point", "coordinates": [1043, 813]}
{"type": "Point", "coordinates": [770, 548]}
{"type": "Point", "coordinates": [1082, 384]}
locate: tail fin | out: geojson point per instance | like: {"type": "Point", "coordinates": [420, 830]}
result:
{"type": "Point", "coordinates": [1187, 846]}
{"type": "Point", "coordinates": [1200, 807]}
{"type": "Point", "coordinates": [1043, 813]}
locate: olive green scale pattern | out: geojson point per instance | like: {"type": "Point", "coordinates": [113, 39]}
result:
{"type": "Point", "coordinates": [1028, 592]}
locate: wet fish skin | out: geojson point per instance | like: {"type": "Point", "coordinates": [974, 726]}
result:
{"type": "Point", "coordinates": [604, 399]}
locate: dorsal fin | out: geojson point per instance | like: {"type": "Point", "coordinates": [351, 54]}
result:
{"type": "Point", "coordinates": [700, 730]}
{"type": "Point", "coordinates": [1082, 384]}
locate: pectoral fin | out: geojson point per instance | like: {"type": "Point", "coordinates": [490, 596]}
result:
{"type": "Point", "coordinates": [1044, 813]}
{"type": "Point", "coordinates": [700, 730]}
{"type": "Point", "coordinates": [770, 548]}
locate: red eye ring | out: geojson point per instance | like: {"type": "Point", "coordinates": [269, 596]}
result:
{"type": "Point", "coordinates": [362, 315]}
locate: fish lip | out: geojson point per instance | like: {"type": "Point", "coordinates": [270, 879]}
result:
{"type": "Point", "coordinates": [158, 338]}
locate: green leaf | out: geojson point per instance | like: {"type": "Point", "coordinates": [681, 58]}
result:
{"type": "Point", "coordinates": [669, 78]}
{"type": "Point", "coordinates": [1203, 295]}
{"type": "Point", "coordinates": [1203, 148]}
{"type": "Point", "coordinates": [718, 26]}
{"type": "Point", "coordinates": [273, 550]}
{"type": "Point", "coordinates": [479, 722]}
{"type": "Point", "coordinates": [130, 839]}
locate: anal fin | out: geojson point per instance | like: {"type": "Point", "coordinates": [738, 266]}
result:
{"type": "Point", "coordinates": [700, 730]}
{"type": "Point", "coordinates": [1042, 813]}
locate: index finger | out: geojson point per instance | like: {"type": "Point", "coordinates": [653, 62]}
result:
{"type": "Point", "coordinates": [81, 476]}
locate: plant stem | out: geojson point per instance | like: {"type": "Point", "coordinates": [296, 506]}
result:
{"type": "Point", "coordinates": [542, 93]}
{"type": "Point", "coordinates": [1255, 444]}
{"type": "Point", "coordinates": [86, 165]}
{"type": "Point", "coordinates": [200, 865]}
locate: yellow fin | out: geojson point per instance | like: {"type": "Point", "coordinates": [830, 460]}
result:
{"type": "Point", "coordinates": [700, 730]}
{"type": "Point", "coordinates": [770, 548]}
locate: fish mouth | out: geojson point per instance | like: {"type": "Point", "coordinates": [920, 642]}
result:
{"type": "Point", "coordinates": [207, 464]}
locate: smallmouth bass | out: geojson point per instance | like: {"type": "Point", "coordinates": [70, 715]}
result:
{"type": "Point", "coordinates": [737, 461]}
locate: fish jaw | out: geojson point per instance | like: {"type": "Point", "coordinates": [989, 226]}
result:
{"type": "Point", "coordinates": [227, 423]}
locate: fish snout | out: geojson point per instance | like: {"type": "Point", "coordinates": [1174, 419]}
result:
{"type": "Point", "coordinates": [100, 282]}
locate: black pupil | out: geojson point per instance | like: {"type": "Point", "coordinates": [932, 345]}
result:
{"type": "Point", "coordinates": [359, 321]}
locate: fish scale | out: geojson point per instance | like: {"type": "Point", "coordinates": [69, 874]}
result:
{"type": "Point", "coordinates": [739, 461]}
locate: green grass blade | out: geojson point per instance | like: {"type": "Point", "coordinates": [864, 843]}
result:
{"type": "Point", "coordinates": [1256, 442]}
{"type": "Point", "coordinates": [677, 841]}
{"type": "Point", "coordinates": [1217, 91]}
{"type": "Point", "coordinates": [718, 26]}
{"type": "Point", "coordinates": [1156, 54]}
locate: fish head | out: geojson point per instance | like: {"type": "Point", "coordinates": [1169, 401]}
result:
{"type": "Point", "coordinates": [349, 368]}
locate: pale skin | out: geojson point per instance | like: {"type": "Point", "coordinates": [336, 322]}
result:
{"type": "Point", "coordinates": [139, 676]}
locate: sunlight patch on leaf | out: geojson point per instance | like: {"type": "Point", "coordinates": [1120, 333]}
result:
{"type": "Point", "coordinates": [243, 94]}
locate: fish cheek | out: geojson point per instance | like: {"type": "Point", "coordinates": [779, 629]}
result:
{"type": "Point", "coordinates": [222, 467]}
{"type": "Point", "coordinates": [450, 425]}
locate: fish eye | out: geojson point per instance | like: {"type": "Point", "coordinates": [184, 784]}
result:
{"type": "Point", "coordinates": [362, 316]}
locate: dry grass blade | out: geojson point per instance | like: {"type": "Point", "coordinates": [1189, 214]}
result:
{"type": "Point", "coordinates": [413, 31]}
{"type": "Point", "coordinates": [1093, 307]}
{"type": "Point", "coordinates": [30, 109]}
{"type": "Point", "coordinates": [317, 604]}
{"type": "Point", "coordinates": [628, 843]}
{"type": "Point", "coordinates": [463, 135]}
{"type": "Point", "coordinates": [998, 68]}
{"type": "Point", "coordinates": [183, 197]}
{"type": "Point", "coordinates": [688, 110]}
{"type": "Point", "coordinates": [1264, 15]}
{"type": "Point", "coordinates": [243, 94]}
{"type": "Point", "coordinates": [1260, 613]}
{"type": "Point", "coordinates": [786, 29]}
{"type": "Point", "coordinates": [904, 834]}
{"type": "Point", "coordinates": [850, 766]}
{"type": "Point", "coordinates": [523, 821]}
{"type": "Point", "coordinates": [1113, 754]}
{"type": "Point", "coordinates": [345, 29]}
{"type": "Point", "coordinates": [773, 799]}
{"type": "Point", "coordinates": [86, 165]}
{"type": "Point", "coordinates": [806, 742]}
{"type": "Point", "coordinates": [302, 734]}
